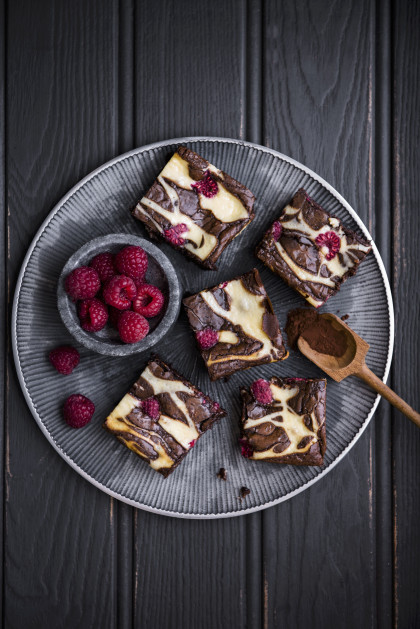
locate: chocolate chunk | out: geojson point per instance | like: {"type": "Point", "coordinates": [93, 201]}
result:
{"type": "Point", "coordinates": [244, 492]}
{"type": "Point", "coordinates": [222, 474]}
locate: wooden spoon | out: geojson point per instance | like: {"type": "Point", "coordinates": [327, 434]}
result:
{"type": "Point", "coordinates": [352, 363]}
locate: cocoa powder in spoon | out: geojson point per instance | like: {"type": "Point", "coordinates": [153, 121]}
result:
{"type": "Point", "coordinates": [317, 332]}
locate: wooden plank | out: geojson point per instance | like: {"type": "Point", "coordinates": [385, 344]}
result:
{"type": "Point", "coordinates": [319, 568]}
{"type": "Point", "coordinates": [59, 561]}
{"type": "Point", "coordinates": [3, 248]}
{"type": "Point", "coordinates": [381, 201]}
{"type": "Point", "coordinates": [190, 80]}
{"type": "Point", "coordinates": [406, 365]}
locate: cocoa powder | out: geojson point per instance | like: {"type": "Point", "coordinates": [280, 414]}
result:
{"type": "Point", "coordinates": [317, 332]}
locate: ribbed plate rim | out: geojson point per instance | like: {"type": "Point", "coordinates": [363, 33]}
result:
{"type": "Point", "coordinates": [119, 159]}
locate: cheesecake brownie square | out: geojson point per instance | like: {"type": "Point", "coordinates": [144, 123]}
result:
{"type": "Point", "coordinates": [235, 325]}
{"type": "Point", "coordinates": [311, 250]}
{"type": "Point", "coordinates": [195, 207]}
{"type": "Point", "coordinates": [283, 421]}
{"type": "Point", "coordinates": [162, 416]}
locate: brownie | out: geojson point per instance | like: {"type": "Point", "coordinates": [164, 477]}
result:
{"type": "Point", "coordinates": [195, 207]}
{"type": "Point", "coordinates": [289, 425]}
{"type": "Point", "coordinates": [162, 416]}
{"type": "Point", "coordinates": [235, 325]}
{"type": "Point", "coordinates": [312, 250]}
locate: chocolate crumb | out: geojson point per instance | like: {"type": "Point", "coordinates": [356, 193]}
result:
{"type": "Point", "coordinates": [244, 492]}
{"type": "Point", "coordinates": [222, 474]}
{"type": "Point", "coordinates": [345, 317]}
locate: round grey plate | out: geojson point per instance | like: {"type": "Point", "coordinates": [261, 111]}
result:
{"type": "Point", "coordinates": [100, 204]}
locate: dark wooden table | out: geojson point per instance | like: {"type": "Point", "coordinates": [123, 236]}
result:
{"type": "Point", "coordinates": [333, 84]}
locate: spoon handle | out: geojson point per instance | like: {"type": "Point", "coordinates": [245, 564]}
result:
{"type": "Point", "coordinates": [376, 383]}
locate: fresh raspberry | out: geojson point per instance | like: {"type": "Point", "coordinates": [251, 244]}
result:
{"type": "Point", "coordinates": [172, 234]}
{"type": "Point", "coordinates": [119, 292]}
{"type": "Point", "coordinates": [261, 391]}
{"type": "Point", "coordinates": [78, 410]}
{"type": "Point", "coordinates": [103, 264]}
{"type": "Point", "coordinates": [132, 261]}
{"type": "Point", "coordinates": [149, 301]}
{"type": "Point", "coordinates": [82, 283]}
{"type": "Point", "coordinates": [151, 407]}
{"type": "Point", "coordinates": [132, 326]}
{"type": "Point", "coordinates": [246, 449]}
{"type": "Point", "coordinates": [207, 186]}
{"type": "Point", "coordinates": [93, 315]}
{"type": "Point", "coordinates": [276, 230]}
{"type": "Point", "coordinates": [64, 358]}
{"type": "Point", "coordinates": [139, 282]}
{"type": "Point", "coordinates": [331, 241]}
{"type": "Point", "coordinates": [113, 316]}
{"type": "Point", "coordinates": [207, 338]}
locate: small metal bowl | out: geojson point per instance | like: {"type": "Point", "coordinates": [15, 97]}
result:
{"type": "Point", "coordinates": [160, 273]}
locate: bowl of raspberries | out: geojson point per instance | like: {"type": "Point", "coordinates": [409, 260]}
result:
{"type": "Point", "coordinates": [118, 295]}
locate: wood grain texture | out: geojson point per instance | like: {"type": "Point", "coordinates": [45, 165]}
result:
{"type": "Point", "coordinates": [328, 83]}
{"type": "Point", "coordinates": [406, 370]}
{"type": "Point", "coordinates": [182, 52]}
{"type": "Point", "coordinates": [318, 109]}
{"type": "Point", "coordinates": [61, 123]}
{"type": "Point", "coordinates": [3, 284]}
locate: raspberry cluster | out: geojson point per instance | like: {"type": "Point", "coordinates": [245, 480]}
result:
{"type": "Point", "coordinates": [113, 288]}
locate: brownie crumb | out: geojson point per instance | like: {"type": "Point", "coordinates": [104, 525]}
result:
{"type": "Point", "coordinates": [244, 492]}
{"type": "Point", "coordinates": [345, 317]}
{"type": "Point", "coordinates": [222, 474]}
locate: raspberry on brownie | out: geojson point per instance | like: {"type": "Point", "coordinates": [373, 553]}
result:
{"type": "Point", "coordinates": [195, 207]}
{"type": "Point", "coordinates": [235, 325]}
{"type": "Point", "coordinates": [283, 421]}
{"type": "Point", "coordinates": [162, 416]}
{"type": "Point", "coordinates": [311, 250]}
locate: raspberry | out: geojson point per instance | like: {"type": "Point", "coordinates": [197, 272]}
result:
{"type": "Point", "coordinates": [149, 301]}
{"type": "Point", "coordinates": [276, 230]}
{"type": "Point", "coordinates": [64, 358]}
{"type": "Point", "coordinates": [132, 326]}
{"type": "Point", "coordinates": [82, 283]}
{"type": "Point", "coordinates": [103, 264]}
{"type": "Point", "coordinates": [114, 315]}
{"type": "Point", "coordinates": [261, 391]}
{"type": "Point", "coordinates": [119, 292]}
{"type": "Point", "coordinates": [172, 234]}
{"type": "Point", "coordinates": [131, 261]}
{"type": "Point", "coordinates": [139, 282]}
{"type": "Point", "coordinates": [246, 449]}
{"type": "Point", "coordinates": [331, 241]}
{"type": "Point", "coordinates": [151, 407]}
{"type": "Point", "coordinates": [78, 410]}
{"type": "Point", "coordinates": [207, 186]}
{"type": "Point", "coordinates": [207, 338]}
{"type": "Point", "coordinates": [93, 315]}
